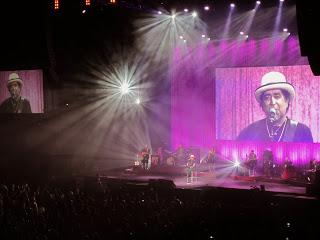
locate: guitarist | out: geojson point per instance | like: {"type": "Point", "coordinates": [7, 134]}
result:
{"type": "Point", "coordinates": [145, 153]}
{"type": "Point", "coordinates": [190, 168]}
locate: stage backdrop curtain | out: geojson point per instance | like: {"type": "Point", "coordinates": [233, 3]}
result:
{"type": "Point", "coordinates": [32, 87]}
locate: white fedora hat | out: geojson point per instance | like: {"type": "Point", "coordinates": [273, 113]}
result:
{"type": "Point", "coordinates": [274, 80]}
{"type": "Point", "coordinates": [14, 77]}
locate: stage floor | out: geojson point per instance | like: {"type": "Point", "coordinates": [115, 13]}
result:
{"type": "Point", "coordinates": [216, 178]}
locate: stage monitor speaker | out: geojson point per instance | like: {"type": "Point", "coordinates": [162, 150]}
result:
{"type": "Point", "coordinates": [307, 18]}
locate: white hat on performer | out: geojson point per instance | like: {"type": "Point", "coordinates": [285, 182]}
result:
{"type": "Point", "coordinates": [14, 77]}
{"type": "Point", "coordinates": [274, 80]}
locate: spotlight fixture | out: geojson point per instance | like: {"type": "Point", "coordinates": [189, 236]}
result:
{"type": "Point", "coordinates": [138, 101]}
{"type": "Point", "coordinates": [184, 40]}
{"type": "Point", "coordinates": [236, 163]}
{"type": "Point", "coordinates": [281, 0]}
{"type": "Point", "coordinates": [56, 4]}
{"type": "Point", "coordinates": [173, 16]}
{"type": "Point", "coordinates": [207, 8]}
{"type": "Point", "coordinates": [258, 2]}
{"type": "Point", "coordinates": [241, 33]}
{"type": "Point", "coordinates": [232, 5]}
{"type": "Point", "coordinates": [285, 29]}
{"type": "Point", "coordinates": [247, 36]}
{"type": "Point", "coordinates": [159, 12]}
{"type": "Point", "coordinates": [181, 37]}
{"type": "Point", "coordinates": [208, 39]}
{"type": "Point", "coordinates": [194, 14]}
{"type": "Point", "coordinates": [124, 88]}
{"type": "Point", "coordinates": [83, 11]}
{"type": "Point", "coordinates": [186, 10]}
{"type": "Point", "coordinates": [203, 36]}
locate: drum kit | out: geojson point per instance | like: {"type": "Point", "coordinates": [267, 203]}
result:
{"type": "Point", "coordinates": [173, 158]}
{"type": "Point", "coordinates": [170, 161]}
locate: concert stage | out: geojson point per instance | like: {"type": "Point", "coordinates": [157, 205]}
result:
{"type": "Point", "coordinates": [204, 178]}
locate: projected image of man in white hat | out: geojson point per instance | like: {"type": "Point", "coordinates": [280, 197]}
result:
{"type": "Point", "coordinates": [15, 103]}
{"type": "Point", "coordinates": [274, 96]}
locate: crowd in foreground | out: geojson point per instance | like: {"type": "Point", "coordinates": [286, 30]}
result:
{"type": "Point", "coordinates": [117, 210]}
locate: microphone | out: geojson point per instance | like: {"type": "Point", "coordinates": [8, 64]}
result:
{"type": "Point", "coordinates": [272, 115]}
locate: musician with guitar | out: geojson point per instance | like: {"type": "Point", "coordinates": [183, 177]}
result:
{"type": "Point", "coordinates": [210, 159]}
{"type": "Point", "coordinates": [252, 162]}
{"type": "Point", "coordinates": [145, 153]}
{"type": "Point", "coordinates": [191, 164]}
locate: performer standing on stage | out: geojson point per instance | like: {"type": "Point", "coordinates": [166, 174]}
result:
{"type": "Point", "coordinates": [252, 162]}
{"type": "Point", "coordinates": [268, 163]}
{"type": "Point", "coordinates": [210, 159]}
{"type": "Point", "coordinates": [145, 153]}
{"type": "Point", "coordinates": [190, 168]}
{"type": "Point", "coordinates": [288, 169]}
{"type": "Point", "coordinates": [311, 171]}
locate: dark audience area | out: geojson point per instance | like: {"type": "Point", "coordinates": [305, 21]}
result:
{"type": "Point", "coordinates": [99, 208]}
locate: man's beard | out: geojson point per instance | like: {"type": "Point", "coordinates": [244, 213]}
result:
{"type": "Point", "coordinates": [15, 96]}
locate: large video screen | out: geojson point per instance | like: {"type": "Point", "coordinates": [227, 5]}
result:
{"type": "Point", "coordinates": [21, 91]}
{"type": "Point", "coordinates": [268, 104]}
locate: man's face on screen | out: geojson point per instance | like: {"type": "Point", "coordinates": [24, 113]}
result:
{"type": "Point", "coordinates": [14, 89]}
{"type": "Point", "coordinates": [275, 98]}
